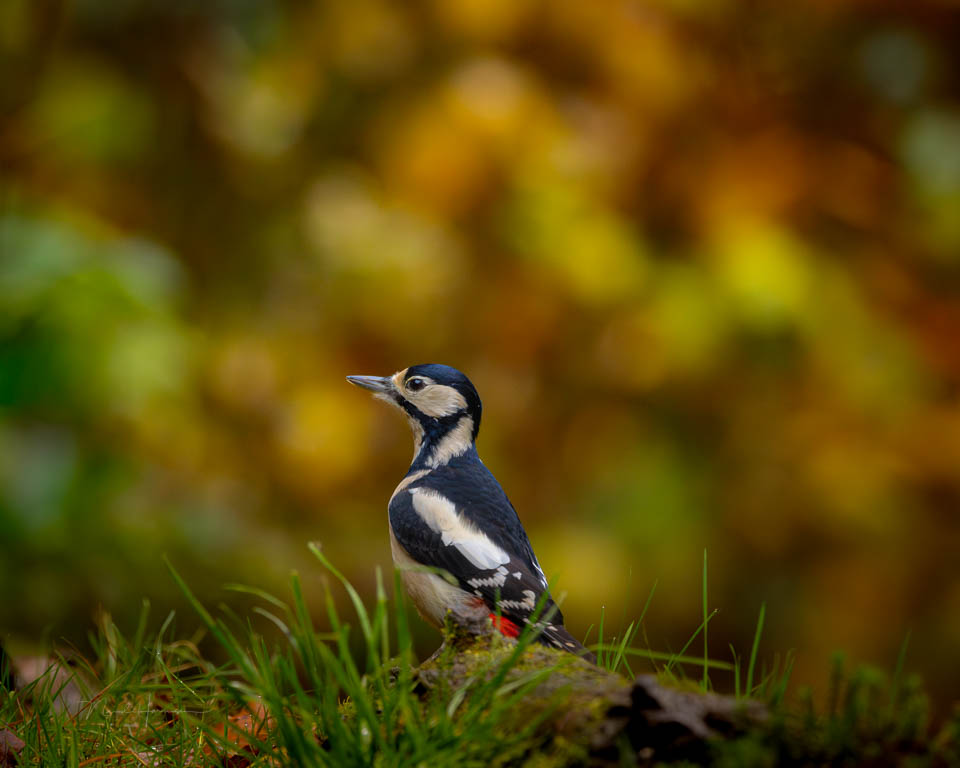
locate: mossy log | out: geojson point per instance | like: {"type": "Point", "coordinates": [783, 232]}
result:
{"type": "Point", "coordinates": [585, 713]}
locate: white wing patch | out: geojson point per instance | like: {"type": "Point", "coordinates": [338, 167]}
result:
{"type": "Point", "coordinates": [441, 515]}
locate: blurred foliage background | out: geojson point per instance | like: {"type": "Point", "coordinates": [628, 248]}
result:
{"type": "Point", "coordinates": [701, 259]}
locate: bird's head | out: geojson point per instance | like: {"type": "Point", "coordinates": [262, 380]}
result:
{"type": "Point", "coordinates": [440, 402]}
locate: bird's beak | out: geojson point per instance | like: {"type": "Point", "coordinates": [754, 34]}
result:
{"type": "Point", "coordinates": [378, 384]}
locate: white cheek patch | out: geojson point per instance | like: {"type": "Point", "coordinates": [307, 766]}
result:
{"type": "Point", "coordinates": [438, 400]}
{"type": "Point", "coordinates": [440, 514]}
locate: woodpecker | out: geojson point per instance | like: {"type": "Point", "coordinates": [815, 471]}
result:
{"type": "Point", "coordinates": [449, 512]}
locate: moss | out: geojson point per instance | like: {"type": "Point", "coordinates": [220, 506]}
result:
{"type": "Point", "coordinates": [556, 710]}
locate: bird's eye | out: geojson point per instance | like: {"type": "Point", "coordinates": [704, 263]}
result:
{"type": "Point", "coordinates": [415, 384]}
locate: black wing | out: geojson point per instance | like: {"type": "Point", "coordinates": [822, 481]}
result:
{"type": "Point", "coordinates": [478, 497]}
{"type": "Point", "coordinates": [436, 531]}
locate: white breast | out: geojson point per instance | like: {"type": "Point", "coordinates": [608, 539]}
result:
{"type": "Point", "coordinates": [432, 595]}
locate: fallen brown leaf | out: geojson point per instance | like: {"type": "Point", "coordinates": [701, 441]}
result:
{"type": "Point", "coordinates": [237, 731]}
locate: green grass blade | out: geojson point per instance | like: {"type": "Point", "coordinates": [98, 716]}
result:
{"type": "Point", "coordinates": [383, 618]}
{"type": "Point", "coordinates": [693, 637]}
{"type": "Point", "coordinates": [217, 629]}
{"type": "Point", "coordinates": [601, 659]}
{"type": "Point", "coordinates": [674, 658]}
{"type": "Point", "coordinates": [141, 630]}
{"type": "Point", "coordinates": [358, 605]}
{"type": "Point", "coordinates": [705, 683]}
{"type": "Point", "coordinates": [624, 643]}
{"type": "Point", "coordinates": [263, 595]}
{"type": "Point", "coordinates": [748, 691]}
{"type": "Point", "coordinates": [736, 672]}
{"type": "Point", "coordinates": [897, 679]}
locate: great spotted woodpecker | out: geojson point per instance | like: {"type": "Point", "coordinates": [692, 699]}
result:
{"type": "Point", "coordinates": [449, 512]}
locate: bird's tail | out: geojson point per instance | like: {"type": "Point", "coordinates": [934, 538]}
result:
{"type": "Point", "coordinates": [556, 636]}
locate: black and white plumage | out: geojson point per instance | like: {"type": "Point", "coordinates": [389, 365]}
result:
{"type": "Point", "coordinates": [449, 512]}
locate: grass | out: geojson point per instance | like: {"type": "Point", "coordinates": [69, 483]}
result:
{"type": "Point", "coordinates": [307, 702]}
{"type": "Point", "coordinates": [311, 700]}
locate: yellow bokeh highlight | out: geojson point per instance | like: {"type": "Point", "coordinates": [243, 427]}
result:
{"type": "Point", "coordinates": [321, 437]}
{"type": "Point", "coordinates": [764, 273]}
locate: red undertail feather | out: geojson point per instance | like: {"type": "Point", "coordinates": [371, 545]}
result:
{"type": "Point", "coordinates": [506, 627]}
